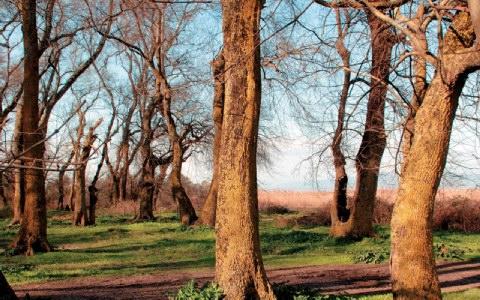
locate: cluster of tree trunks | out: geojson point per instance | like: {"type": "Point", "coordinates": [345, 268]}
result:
{"type": "Point", "coordinates": [355, 219]}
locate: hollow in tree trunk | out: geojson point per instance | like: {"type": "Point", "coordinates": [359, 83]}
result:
{"type": "Point", "coordinates": [32, 236]}
{"type": "Point", "coordinates": [209, 208]}
{"type": "Point", "coordinates": [239, 267]}
{"type": "Point", "coordinates": [339, 210]}
{"type": "Point", "coordinates": [359, 222]}
{"type": "Point", "coordinates": [412, 260]}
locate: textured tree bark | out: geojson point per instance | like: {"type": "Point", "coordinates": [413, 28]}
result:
{"type": "Point", "coordinates": [239, 267]}
{"type": "Point", "coordinates": [412, 260]}
{"type": "Point", "coordinates": [18, 204]}
{"type": "Point", "coordinates": [6, 292]}
{"type": "Point", "coordinates": [32, 236]}
{"type": "Point", "coordinates": [209, 209]}
{"type": "Point", "coordinates": [369, 156]}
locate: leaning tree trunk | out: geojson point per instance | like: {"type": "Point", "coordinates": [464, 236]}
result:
{"type": "Point", "coordinates": [339, 211]}
{"type": "Point", "coordinates": [147, 182]}
{"type": "Point", "coordinates": [80, 215]}
{"type": "Point", "coordinates": [32, 236]}
{"type": "Point", "coordinates": [412, 260]}
{"type": "Point", "coordinates": [239, 267]}
{"type": "Point", "coordinates": [209, 209]}
{"type": "Point", "coordinates": [360, 220]}
{"type": "Point", "coordinates": [6, 291]}
{"type": "Point", "coordinates": [18, 202]}
{"type": "Point", "coordinates": [185, 209]}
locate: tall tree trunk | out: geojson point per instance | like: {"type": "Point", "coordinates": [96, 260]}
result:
{"type": "Point", "coordinates": [115, 193]}
{"type": "Point", "coordinates": [159, 183]}
{"type": "Point", "coordinates": [61, 187]}
{"type": "Point", "coordinates": [18, 203]}
{"type": "Point", "coordinates": [80, 215]}
{"type": "Point", "coordinates": [2, 190]}
{"type": "Point", "coordinates": [239, 267]}
{"type": "Point", "coordinates": [71, 195]}
{"type": "Point", "coordinates": [209, 209]}
{"type": "Point", "coordinates": [147, 182]}
{"type": "Point", "coordinates": [32, 236]}
{"type": "Point", "coordinates": [6, 292]}
{"type": "Point", "coordinates": [61, 190]}
{"type": "Point", "coordinates": [123, 183]}
{"type": "Point", "coordinates": [412, 260]}
{"type": "Point", "coordinates": [369, 156]}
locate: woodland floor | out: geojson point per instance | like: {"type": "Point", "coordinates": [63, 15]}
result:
{"type": "Point", "coordinates": [120, 259]}
{"type": "Point", "coordinates": [327, 279]}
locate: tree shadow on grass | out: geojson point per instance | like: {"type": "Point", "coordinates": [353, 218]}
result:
{"type": "Point", "coordinates": [163, 243]}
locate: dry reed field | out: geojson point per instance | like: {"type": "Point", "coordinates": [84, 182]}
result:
{"type": "Point", "coordinates": [299, 201]}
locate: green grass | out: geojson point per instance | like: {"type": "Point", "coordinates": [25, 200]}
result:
{"type": "Point", "coordinates": [116, 246]}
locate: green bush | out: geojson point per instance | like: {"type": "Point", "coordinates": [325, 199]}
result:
{"type": "Point", "coordinates": [289, 292]}
{"type": "Point", "coordinates": [372, 257]}
{"type": "Point", "coordinates": [190, 291]}
{"type": "Point", "coordinates": [448, 252]}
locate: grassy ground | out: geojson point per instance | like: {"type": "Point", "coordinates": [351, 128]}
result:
{"type": "Point", "coordinates": [116, 246]}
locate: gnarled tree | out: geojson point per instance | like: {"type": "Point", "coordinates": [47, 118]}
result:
{"type": "Point", "coordinates": [357, 220]}
{"type": "Point", "coordinates": [412, 260]}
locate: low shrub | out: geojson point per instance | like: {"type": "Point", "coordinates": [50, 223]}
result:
{"type": "Point", "coordinates": [448, 252]}
{"type": "Point", "coordinates": [289, 292]}
{"type": "Point", "coordinates": [190, 291]}
{"type": "Point", "coordinates": [275, 210]}
{"type": "Point", "coordinates": [457, 213]}
{"type": "Point", "coordinates": [321, 218]}
{"type": "Point", "coordinates": [382, 214]}
{"type": "Point", "coordinates": [372, 257]}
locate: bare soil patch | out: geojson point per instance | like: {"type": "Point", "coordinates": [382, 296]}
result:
{"type": "Point", "coordinates": [331, 279]}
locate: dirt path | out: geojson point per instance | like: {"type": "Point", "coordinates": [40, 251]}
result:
{"type": "Point", "coordinates": [344, 279]}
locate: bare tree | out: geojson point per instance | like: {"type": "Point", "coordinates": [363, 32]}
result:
{"type": "Point", "coordinates": [82, 155]}
{"type": "Point", "coordinates": [32, 236]}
